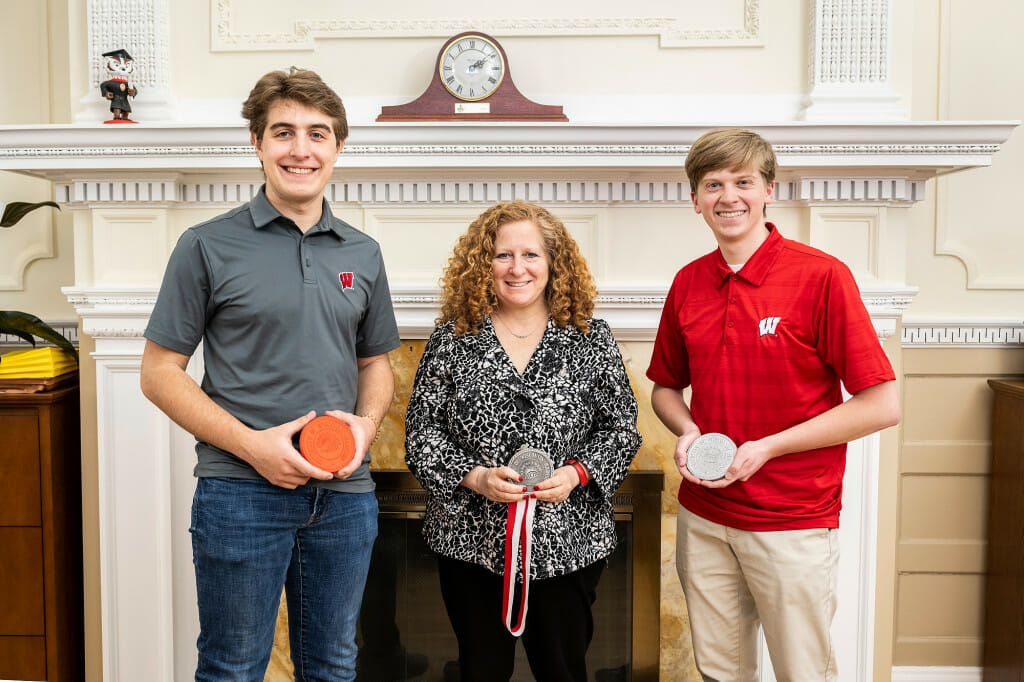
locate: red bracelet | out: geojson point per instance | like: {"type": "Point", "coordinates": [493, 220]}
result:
{"type": "Point", "coordinates": [581, 471]}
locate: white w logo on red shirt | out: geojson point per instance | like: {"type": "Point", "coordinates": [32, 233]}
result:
{"type": "Point", "coordinates": [768, 325]}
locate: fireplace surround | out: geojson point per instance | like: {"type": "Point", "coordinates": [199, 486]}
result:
{"type": "Point", "coordinates": [627, 629]}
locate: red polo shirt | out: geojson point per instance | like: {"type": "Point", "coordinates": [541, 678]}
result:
{"type": "Point", "coordinates": [764, 349]}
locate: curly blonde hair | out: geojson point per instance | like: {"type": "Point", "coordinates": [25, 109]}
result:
{"type": "Point", "coordinates": [467, 286]}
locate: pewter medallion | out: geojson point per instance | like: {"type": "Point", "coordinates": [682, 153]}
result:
{"type": "Point", "coordinates": [532, 464]}
{"type": "Point", "coordinates": [709, 457]}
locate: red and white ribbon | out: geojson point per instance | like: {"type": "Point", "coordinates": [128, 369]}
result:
{"type": "Point", "coordinates": [518, 538]}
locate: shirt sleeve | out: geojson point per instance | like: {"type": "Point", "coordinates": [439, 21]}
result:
{"type": "Point", "coordinates": [178, 321]}
{"type": "Point", "coordinates": [378, 330]}
{"type": "Point", "coordinates": [670, 362]}
{"type": "Point", "coordinates": [433, 457]}
{"type": "Point", "coordinates": [849, 342]}
{"type": "Point", "coordinates": [613, 440]}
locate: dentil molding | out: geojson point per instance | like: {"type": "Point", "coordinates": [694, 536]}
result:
{"type": "Point", "coordinates": [668, 189]}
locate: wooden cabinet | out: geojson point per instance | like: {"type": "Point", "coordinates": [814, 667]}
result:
{"type": "Point", "coordinates": [1004, 576]}
{"type": "Point", "coordinates": [41, 635]}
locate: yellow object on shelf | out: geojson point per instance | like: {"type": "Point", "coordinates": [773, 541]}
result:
{"type": "Point", "coordinates": [37, 363]}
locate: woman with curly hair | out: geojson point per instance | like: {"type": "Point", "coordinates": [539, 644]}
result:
{"type": "Point", "coordinates": [516, 364]}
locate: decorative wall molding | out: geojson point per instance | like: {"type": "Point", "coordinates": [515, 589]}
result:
{"type": "Point", "coordinates": [91, 301]}
{"type": "Point", "coordinates": [962, 241]}
{"type": "Point", "coordinates": [20, 248]}
{"type": "Point", "coordinates": [138, 26]}
{"type": "Point", "coordinates": [633, 313]}
{"type": "Point", "coordinates": [115, 191]}
{"type": "Point", "coordinates": [886, 306]}
{"type": "Point", "coordinates": [859, 189]}
{"type": "Point", "coordinates": [871, 151]}
{"type": "Point", "coordinates": [114, 318]}
{"type": "Point", "coordinates": [425, 190]}
{"type": "Point", "coordinates": [302, 35]}
{"type": "Point", "coordinates": [851, 41]}
{"type": "Point", "coordinates": [69, 329]}
{"type": "Point", "coordinates": [873, 154]}
{"type": "Point", "coordinates": [112, 315]}
{"type": "Point", "coordinates": [962, 333]}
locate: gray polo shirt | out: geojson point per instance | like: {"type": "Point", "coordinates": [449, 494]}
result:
{"type": "Point", "coordinates": [283, 316]}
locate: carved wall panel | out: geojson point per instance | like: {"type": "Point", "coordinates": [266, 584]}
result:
{"type": "Point", "coordinates": [235, 26]}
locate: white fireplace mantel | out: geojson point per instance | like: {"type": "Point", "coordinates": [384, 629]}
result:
{"type": "Point", "coordinates": [917, 150]}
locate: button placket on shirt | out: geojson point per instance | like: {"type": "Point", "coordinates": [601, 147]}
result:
{"type": "Point", "coordinates": [729, 322]}
{"type": "Point", "coordinates": [306, 257]}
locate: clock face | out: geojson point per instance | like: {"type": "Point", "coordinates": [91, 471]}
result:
{"type": "Point", "coordinates": [471, 67]}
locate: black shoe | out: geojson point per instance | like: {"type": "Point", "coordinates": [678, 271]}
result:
{"type": "Point", "coordinates": [620, 674]}
{"type": "Point", "coordinates": [401, 665]}
{"type": "Point", "coordinates": [452, 672]}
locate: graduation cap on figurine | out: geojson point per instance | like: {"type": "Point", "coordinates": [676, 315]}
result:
{"type": "Point", "coordinates": [119, 54]}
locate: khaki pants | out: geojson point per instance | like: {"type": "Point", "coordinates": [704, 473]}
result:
{"type": "Point", "coordinates": [735, 580]}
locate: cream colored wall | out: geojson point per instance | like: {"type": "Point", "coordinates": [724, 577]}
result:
{"type": "Point", "coordinates": [943, 488]}
{"type": "Point", "coordinates": [36, 39]}
{"type": "Point", "coordinates": [36, 253]}
{"type": "Point", "coordinates": [398, 69]}
{"type": "Point", "coordinates": [968, 66]}
{"type": "Point", "coordinates": [966, 261]}
{"type": "Point", "coordinates": [26, 85]}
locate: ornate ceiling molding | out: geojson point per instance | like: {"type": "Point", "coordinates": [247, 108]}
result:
{"type": "Point", "coordinates": [677, 31]}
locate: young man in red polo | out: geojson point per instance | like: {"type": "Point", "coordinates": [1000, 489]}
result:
{"type": "Point", "coordinates": [766, 332]}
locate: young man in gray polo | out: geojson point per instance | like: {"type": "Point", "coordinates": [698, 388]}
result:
{"type": "Point", "coordinates": [293, 308]}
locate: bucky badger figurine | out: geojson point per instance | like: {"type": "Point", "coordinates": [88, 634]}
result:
{"type": "Point", "coordinates": [117, 89]}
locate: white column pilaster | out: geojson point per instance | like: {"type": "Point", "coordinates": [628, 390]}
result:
{"type": "Point", "coordinates": [851, 62]}
{"type": "Point", "coordinates": [136, 562]}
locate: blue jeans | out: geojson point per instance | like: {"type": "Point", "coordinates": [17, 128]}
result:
{"type": "Point", "coordinates": [250, 538]}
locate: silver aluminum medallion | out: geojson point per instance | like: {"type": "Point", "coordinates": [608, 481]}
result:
{"type": "Point", "coordinates": [533, 465]}
{"type": "Point", "coordinates": [709, 457]}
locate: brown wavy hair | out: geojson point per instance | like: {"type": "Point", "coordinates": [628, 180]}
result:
{"type": "Point", "coordinates": [299, 85]}
{"type": "Point", "coordinates": [467, 286]}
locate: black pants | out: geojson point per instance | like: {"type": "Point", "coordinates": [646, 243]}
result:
{"type": "Point", "coordinates": [559, 622]}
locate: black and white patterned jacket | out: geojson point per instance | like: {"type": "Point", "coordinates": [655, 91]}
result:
{"type": "Point", "coordinates": [471, 407]}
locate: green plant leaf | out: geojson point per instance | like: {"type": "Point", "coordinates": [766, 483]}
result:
{"type": "Point", "coordinates": [16, 210]}
{"type": "Point", "coordinates": [25, 326]}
